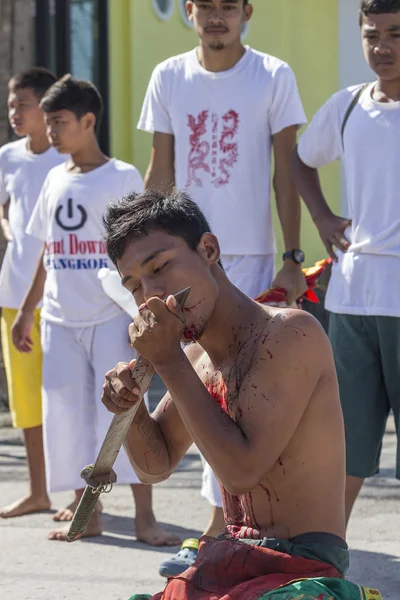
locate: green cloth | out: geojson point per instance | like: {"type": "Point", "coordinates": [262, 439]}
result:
{"type": "Point", "coordinates": [140, 597]}
{"type": "Point", "coordinates": [329, 553]}
{"type": "Point", "coordinates": [322, 589]}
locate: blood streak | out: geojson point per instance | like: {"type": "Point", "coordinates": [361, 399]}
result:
{"type": "Point", "coordinates": [218, 391]}
{"type": "Point", "coordinates": [282, 465]}
{"type": "Point", "coordinates": [271, 511]}
{"type": "Point", "coordinates": [166, 404]}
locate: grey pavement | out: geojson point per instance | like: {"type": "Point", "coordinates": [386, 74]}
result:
{"type": "Point", "coordinates": [115, 565]}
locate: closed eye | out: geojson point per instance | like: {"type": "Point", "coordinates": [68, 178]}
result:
{"type": "Point", "coordinates": [161, 267]}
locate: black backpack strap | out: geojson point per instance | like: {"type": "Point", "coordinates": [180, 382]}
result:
{"type": "Point", "coordinates": [351, 108]}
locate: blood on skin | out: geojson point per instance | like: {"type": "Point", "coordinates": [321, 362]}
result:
{"type": "Point", "coordinates": [282, 465]}
{"type": "Point", "coordinates": [271, 511]}
{"type": "Point", "coordinates": [218, 391]}
{"type": "Point", "coordinates": [166, 404]}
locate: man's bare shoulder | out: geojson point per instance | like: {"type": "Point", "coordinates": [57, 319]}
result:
{"type": "Point", "coordinates": [295, 334]}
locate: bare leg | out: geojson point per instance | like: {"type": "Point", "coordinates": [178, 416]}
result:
{"type": "Point", "coordinates": [147, 528]}
{"type": "Point", "coordinates": [94, 527]}
{"type": "Point", "coordinates": [37, 499]}
{"type": "Point", "coordinates": [217, 522]}
{"type": "Point", "coordinates": [353, 487]}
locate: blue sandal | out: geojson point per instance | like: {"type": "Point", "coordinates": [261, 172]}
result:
{"type": "Point", "coordinates": [182, 560]}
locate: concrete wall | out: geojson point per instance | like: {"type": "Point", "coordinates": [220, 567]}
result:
{"type": "Point", "coordinates": [306, 37]}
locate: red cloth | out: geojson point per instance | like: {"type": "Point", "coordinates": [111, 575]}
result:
{"type": "Point", "coordinates": [312, 275]}
{"type": "Point", "coordinates": [233, 570]}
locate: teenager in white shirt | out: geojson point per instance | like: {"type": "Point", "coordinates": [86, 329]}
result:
{"type": "Point", "coordinates": [24, 165]}
{"type": "Point", "coordinates": [360, 126]}
{"type": "Point", "coordinates": [217, 113]}
{"type": "Point", "coordinates": [82, 328]}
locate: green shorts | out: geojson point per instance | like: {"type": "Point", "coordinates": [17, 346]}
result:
{"type": "Point", "coordinates": [367, 358]}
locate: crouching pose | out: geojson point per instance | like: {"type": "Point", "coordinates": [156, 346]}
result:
{"type": "Point", "coordinates": [255, 389]}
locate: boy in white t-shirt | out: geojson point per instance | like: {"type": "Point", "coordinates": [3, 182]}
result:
{"type": "Point", "coordinates": [217, 113]}
{"type": "Point", "coordinates": [24, 165]}
{"type": "Point", "coordinates": [360, 125]}
{"type": "Point", "coordinates": [82, 329]}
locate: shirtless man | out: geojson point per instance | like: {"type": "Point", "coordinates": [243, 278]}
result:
{"type": "Point", "coordinates": [256, 391]}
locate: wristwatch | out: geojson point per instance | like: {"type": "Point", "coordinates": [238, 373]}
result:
{"type": "Point", "coordinates": [297, 256]}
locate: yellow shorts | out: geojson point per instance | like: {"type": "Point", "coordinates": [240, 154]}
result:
{"type": "Point", "coordinates": [23, 372]}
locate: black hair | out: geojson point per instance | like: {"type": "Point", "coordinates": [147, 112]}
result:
{"type": "Point", "coordinates": [38, 79]}
{"type": "Point", "coordinates": [378, 7]}
{"type": "Point", "coordinates": [137, 215]}
{"type": "Point", "coordinates": [78, 96]}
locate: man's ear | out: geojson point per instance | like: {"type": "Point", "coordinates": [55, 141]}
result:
{"type": "Point", "coordinates": [189, 10]}
{"type": "Point", "coordinates": [89, 121]}
{"type": "Point", "coordinates": [209, 248]}
{"type": "Point", "coordinates": [247, 13]}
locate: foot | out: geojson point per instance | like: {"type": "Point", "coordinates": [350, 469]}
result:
{"type": "Point", "coordinates": [175, 565]}
{"type": "Point", "coordinates": [150, 532]}
{"type": "Point", "coordinates": [25, 506]}
{"type": "Point", "coordinates": [67, 513]}
{"type": "Point", "coordinates": [94, 528]}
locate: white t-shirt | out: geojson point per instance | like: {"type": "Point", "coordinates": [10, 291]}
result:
{"type": "Point", "coordinates": [222, 124]}
{"type": "Point", "coordinates": [68, 218]}
{"type": "Point", "coordinates": [366, 281]}
{"type": "Point", "coordinates": [22, 174]}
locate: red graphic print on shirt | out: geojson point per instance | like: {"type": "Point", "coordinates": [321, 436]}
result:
{"type": "Point", "coordinates": [223, 148]}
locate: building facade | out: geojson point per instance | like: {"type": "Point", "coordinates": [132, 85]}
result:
{"type": "Point", "coordinates": [117, 43]}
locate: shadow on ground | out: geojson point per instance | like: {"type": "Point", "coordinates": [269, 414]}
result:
{"type": "Point", "coordinates": [116, 526]}
{"type": "Point", "coordinates": [368, 568]}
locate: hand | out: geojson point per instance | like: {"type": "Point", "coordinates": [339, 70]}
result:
{"type": "Point", "coordinates": [291, 279]}
{"type": "Point", "coordinates": [5, 227]}
{"type": "Point", "coordinates": [120, 391]}
{"type": "Point", "coordinates": [157, 330]}
{"type": "Point", "coordinates": [21, 331]}
{"type": "Point", "coordinates": [331, 229]}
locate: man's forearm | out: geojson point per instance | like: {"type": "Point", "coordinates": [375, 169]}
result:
{"type": "Point", "coordinates": [4, 220]}
{"type": "Point", "coordinates": [35, 291]}
{"type": "Point", "coordinates": [159, 179]}
{"type": "Point", "coordinates": [217, 436]}
{"type": "Point", "coordinates": [289, 212]}
{"type": "Point", "coordinates": [309, 186]}
{"type": "Point", "coordinates": [146, 448]}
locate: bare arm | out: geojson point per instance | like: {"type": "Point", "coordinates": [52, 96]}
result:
{"type": "Point", "coordinates": [22, 326]}
{"type": "Point", "coordinates": [288, 207]}
{"type": "Point", "coordinates": [155, 444]}
{"type": "Point", "coordinates": [270, 403]}
{"type": "Point", "coordinates": [272, 400]}
{"type": "Point", "coordinates": [161, 171]}
{"type": "Point", "coordinates": [287, 197]}
{"type": "Point", "coordinates": [330, 227]}
{"type": "Point", "coordinates": [5, 224]}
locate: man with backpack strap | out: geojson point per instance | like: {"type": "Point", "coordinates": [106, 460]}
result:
{"type": "Point", "coordinates": [360, 125]}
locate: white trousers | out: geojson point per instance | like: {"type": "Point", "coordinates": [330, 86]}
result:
{"type": "Point", "coordinates": [252, 275]}
{"type": "Point", "coordinates": [75, 422]}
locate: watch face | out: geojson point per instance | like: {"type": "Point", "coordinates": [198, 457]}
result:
{"type": "Point", "coordinates": [298, 256]}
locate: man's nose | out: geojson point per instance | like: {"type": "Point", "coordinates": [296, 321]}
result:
{"type": "Point", "coordinates": [216, 15]}
{"type": "Point", "coordinates": [151, 290]}
{"type": "Point", "coordinates": [382, 47]}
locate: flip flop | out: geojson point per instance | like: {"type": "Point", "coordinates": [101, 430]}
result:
{"type": "Point", "coordinates": [182, 560]}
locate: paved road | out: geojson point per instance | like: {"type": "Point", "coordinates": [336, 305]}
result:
{"type": "Point", "coordinates": [114, 566]}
